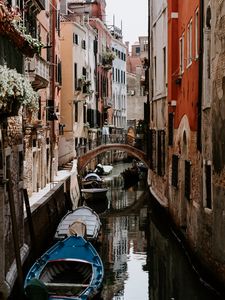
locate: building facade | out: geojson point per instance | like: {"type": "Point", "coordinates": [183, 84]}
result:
{"type": "Point", "coordinates": [186, 106]}
{"type": "Point", "coordinates": [18, 100]}
{"type": "Point", "coordinates": [158, 98]}
{"type": "Point", "coordinates": [119, 82]}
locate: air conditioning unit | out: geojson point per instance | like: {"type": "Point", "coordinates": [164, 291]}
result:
{"type": "Point", "coordinates": [132, 92]}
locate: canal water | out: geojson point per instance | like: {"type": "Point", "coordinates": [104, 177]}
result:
{"type": "Point", "coordinates": [141, 256]}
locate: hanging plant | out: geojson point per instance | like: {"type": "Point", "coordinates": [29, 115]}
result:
{"type": "Point", "coordinates": [16, 91]}
{"type": "Point", "coordinates": [10, 26]}
{"type": "Point", "coordinates": [107, 57]}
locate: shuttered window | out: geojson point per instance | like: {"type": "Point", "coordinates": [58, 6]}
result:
{"type": "Point", "coordinates": [75, 76]}
{"type": "Point", "coordinates": [208, 185]}
{"type": "Point", "coordinates": [175, 160]}
{"type": "Point", "coordinates": [187, 183]}
{"type": "Point", "coordinates": [76, 112]}
{"type": "Point", "coordinates": [85, 113]}
{"type": "Point", "coordinates": [153, 149]}
{"type": "Point", "coordinates": [50, 110]}
{"type": "Point", "coordinates": [161, 153]}
{"type": "Point", "coordinates": [170, 129]}
{"type": "Point", "coordinates": [75, 39]}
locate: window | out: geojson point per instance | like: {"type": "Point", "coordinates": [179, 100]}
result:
{"type": "Point", "coordinates": [189, 44]}
{"type": "Point", "coordinates": [196, 33]}
{"type": "Point", "coordinates": [21, 158]}
{"type": "Point", "coordinates": [175, 159]}
{"type": "Point", "coordinates": [208, 185]}
{"type": "Point", "coordinates": [85, 113]}
{"type": "Point", "coordinates": [83, 44]}
{"type": "Point", "coordinates": [84, 72]}
{"type": "Point", "coordinates": [161, 153]}
{"type": "Point", "coordinates": [155, 74]}
{"type": "Point", "coordinates": [145, 45]}
{"type": "Point", "coordinates": [75, 39]}
{"type": "Point", "coordinates": [181, 53]}
{"type": "Point", "coordinates": [138, 50]}
{"type": "Point", "coordinates": [187, 182]}
{"type": "Point", "coordinates": [170, 129]}
{"type": "Point", "coordinates": [75, 77]}
{"type": "Point", "coordinates": [153, 149]}
{"type": "Point", "coordinates": [164, 66]}
{"type": "Point", "coordinates": [76, 112]}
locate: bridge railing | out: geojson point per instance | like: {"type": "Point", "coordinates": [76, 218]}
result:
{"type": "Point", "coordinates": [138, 142]}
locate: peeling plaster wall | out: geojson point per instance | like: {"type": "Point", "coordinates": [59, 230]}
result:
{"type": "Point", "coordinates": [213, 220]}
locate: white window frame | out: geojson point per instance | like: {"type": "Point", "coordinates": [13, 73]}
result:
{"type": "Point", "coordinates": [196, 33]}
{"type": "Point", "coordinates": [181, 53]}
{"type": "Point", "coordinates": [189, 44]}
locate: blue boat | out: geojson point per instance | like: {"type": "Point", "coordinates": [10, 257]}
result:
{"type": "Point", "coordinates": [71, 269]}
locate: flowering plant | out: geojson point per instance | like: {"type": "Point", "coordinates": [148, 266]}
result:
{"type": "Point", "coordinates": [108, 56]}
{"type": "Point", "coordinates": [10, 25]}
{"type": "Point", "coordinates": [16, 90]}
{"type": "Point", "coordinates": [33, 42]}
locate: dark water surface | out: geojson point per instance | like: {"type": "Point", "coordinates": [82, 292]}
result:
{"type": "Point", "coordinates": [142, 259]}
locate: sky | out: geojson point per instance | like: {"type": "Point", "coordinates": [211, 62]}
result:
{"type": "Point", "coordinates": [134, 16]}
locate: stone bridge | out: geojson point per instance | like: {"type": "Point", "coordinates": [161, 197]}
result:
{"type": "Point", "coordinates": [84, 159]}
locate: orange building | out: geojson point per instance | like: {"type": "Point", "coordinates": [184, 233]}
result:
{"type": "Point", "coordinates": [183, 60]}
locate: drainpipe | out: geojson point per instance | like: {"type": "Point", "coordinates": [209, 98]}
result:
{"type": "Point", "coordinates": [52, 88]}
{"type": "Point", "coordinates": [200, 74]}
{"type": "Point", "coordinates": [149, 84]}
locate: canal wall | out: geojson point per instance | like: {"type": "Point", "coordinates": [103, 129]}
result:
{"type": "Point", "coordinates": [45, 216]}
{"type": "Point", "coordinates": [209, 266]}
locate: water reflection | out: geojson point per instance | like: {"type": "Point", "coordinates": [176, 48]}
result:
{"type": "Point", "coordinates": [142, 259]}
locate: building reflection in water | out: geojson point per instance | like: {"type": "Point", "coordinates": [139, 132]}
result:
{"type": "Point", "coordinates": [123, 243]}
{"type": "Point", "coordinates": [141, 257]}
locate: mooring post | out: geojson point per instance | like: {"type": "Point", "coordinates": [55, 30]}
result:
{"type": "Point", "coordinates": [15, 232]}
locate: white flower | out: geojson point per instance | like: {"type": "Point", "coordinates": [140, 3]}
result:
{"type": "Point", "coordinates": [16, 87]}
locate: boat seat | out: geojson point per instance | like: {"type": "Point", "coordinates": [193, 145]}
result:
{"type": "Point", "coordinates": [65, 285]}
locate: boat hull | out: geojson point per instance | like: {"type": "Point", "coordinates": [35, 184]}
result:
{"type": "Point", "coordinates": [71, 269]}
{"type": "Point", "coordinates": [84, 214]}
{"type": "Point", "coordinates": [94, 194]}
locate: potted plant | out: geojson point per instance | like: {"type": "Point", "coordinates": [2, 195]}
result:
{"type": "Point", "coordinates": [107, 58]}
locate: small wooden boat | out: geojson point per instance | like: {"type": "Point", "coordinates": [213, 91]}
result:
{"type": "Point", "coordinates": [82, 214]}
{"type": "Point", "coordinates": [92, 180]}
{"type": "Point", "coordinates": [95, 193]}
{"type": "Point", "coordinates": [71, 269]}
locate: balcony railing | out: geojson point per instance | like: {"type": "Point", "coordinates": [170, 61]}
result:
{"type": "Point", "coordinates": [42, 68]}
{"type": "Point", "coordinates": [38, 70]}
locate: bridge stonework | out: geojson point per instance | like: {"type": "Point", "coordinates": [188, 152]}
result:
{"type": "Point", "coordinates": [84, 159]}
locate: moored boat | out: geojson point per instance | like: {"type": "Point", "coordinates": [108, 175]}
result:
{"type": "Point", "coordinates": [95, 193]}
{"type": "Point", "coordinates": [81, 214]}
{"type": "Point", "coordinates": [103, 169]}
{"type": "Point", "coordinates": [92, 180]}
{"type": "Point", "coordinates": [71, 269]}
{"type": "Point", "coordinates": [130, 176]}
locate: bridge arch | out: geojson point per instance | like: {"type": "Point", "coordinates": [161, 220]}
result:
{"type": "Point", "coordinates": [84, 159]}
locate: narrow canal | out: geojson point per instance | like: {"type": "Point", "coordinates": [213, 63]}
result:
{"type": "Point", "coordinates": [141, 256]}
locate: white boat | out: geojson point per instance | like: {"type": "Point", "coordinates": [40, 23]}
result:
{"type": "Point", "coordinates": [103, 169]}
{"type": "Point", "coordinates": [72, 222]}
{"type": "Point", "coordinates": [95, 193]}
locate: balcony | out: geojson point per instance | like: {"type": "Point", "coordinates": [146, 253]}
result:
{"type": "Point", "coordinates": [107, 59]}
{"type": "Point", "coordinates": [107, 103]}
{"type": "Point", "coordinates": [38, 70]}
{"type": "Point", "coordinates": [37, 5]}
